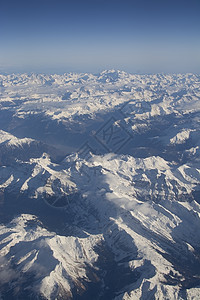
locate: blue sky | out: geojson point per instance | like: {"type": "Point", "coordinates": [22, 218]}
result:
{"type": "Point", "coordinates": [89, 36]}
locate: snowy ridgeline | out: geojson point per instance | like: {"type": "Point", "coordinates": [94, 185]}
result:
{"type": "Point", "coordinates": [119, 216]}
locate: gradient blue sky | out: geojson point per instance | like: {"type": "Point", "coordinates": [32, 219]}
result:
{"type": "Point", "coordinates": [89, 36]}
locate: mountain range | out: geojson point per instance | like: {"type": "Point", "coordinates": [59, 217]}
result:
{"type": "Point", "coordinates": [100, 186]}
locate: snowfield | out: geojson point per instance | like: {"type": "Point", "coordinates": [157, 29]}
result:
{"type": "Point", "coordinates": [100, 186]}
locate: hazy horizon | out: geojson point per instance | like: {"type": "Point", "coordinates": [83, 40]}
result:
{"type": "Point", "coordinates": [90, 36]}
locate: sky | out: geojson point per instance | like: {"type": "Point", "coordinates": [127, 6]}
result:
{"type": "Point", "coordinates": [143, 36]}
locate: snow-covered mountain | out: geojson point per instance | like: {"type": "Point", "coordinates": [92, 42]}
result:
{"type": "Point", "coordinates": [100, 186]}
{"type": "Point", "coordinates": [12, 148]}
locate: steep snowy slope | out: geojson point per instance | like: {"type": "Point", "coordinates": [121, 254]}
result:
{"type": "Point", "coordinates": [38, 262]}
{"type": "Point", "coordinates": [143, 209]}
